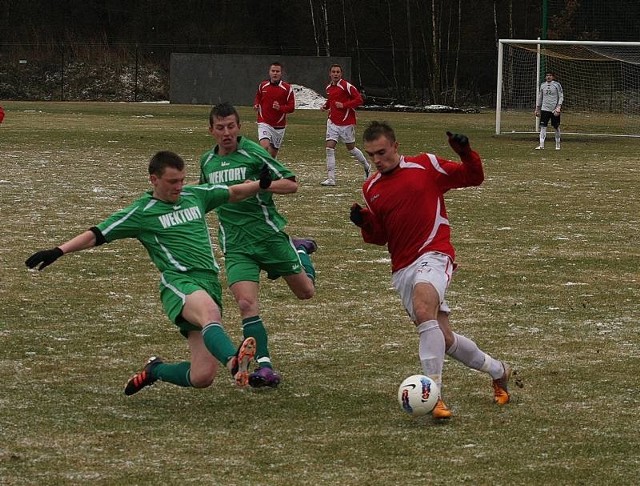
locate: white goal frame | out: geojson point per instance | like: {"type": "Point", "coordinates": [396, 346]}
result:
{"type": "Point", "coordinates": [535, 85]}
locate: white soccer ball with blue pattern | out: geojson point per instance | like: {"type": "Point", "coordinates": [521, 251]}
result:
{"type": "Point", "coordinates": [418, 395]}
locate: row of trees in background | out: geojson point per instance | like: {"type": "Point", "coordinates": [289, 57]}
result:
{"type": "Point", "coordinates": [425, 51]}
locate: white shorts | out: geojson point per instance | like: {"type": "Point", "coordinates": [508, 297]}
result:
{"type": "Point", "coordinates": [337, 133]}
{"type": "Point", "coordinates": [434, 268]}
{"type": "Point", "coordinates": [274, 135]}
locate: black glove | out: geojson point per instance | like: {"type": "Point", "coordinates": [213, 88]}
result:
{"type": "Point", "coordinates": [459, 143]}
{"type": "Point", "coordinates": [43, 258]}
{"type": "Point", "coordinates": [356, 215]}
{"type": "Point", "coordinates": [265, 177]}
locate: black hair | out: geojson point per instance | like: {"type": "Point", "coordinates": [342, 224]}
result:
{"type": "Point", "coordinates": [163, 159]}
{"type": "Point", "coordinates": [223, 110]}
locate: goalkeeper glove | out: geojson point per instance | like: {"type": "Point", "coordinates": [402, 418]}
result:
{"type": "Point", "coordinates": [265, 177]}
{"type": "Point", "coordinates": [356, 215]}
{"type": "Point", "coordinates": [43, 258]}
{"type": "Point", "coordinates": [459, 143]}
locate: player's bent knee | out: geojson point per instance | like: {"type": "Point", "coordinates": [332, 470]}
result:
{"type": "Point", "coordinates": [201, 380]}
{"type": "Point", "coordinates": [305, 293]}
{"type": "Point", "coordinates": [246, 306]}
{"type": "Point", "coordinates": [424, 312]}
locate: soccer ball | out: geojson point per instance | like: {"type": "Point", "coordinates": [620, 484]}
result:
{"type": "Point", "coordinates": [418, 395]}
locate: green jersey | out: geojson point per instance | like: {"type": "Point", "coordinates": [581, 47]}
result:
{"type": "Point", "coordinates": [176, 236]}
{"type": "Point", "coordinates": [255, 218]}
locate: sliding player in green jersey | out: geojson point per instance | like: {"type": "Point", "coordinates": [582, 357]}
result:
{"type": "Point", "coordinates": [251, 233]}
{"type": "Point", "coordinates": [170, 222]}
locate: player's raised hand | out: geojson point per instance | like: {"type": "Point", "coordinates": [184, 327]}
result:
{"type": "Point", "coordinates": [44, 258]}
{"type": "Point", "coordinates": [356, 214]}
{"type": "Point", "coordinates": [265, 177]}
{"type": "Point", "coordinates": [459, 143]}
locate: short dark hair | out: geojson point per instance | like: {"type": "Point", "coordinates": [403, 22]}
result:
{"type": "Point", "coordinates": [223, 110]}
{"type": "Point", "coordinates": [335, 65]}
{"type": "Point", "coordinates": [378, 129]}
{"type": "Point", "coordinates": [163, 159]}
{"type": "Point", "coordinates": [276, 63]}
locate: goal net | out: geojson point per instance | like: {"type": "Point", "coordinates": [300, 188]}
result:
{"type": "Point", "coordinates": [600, 80]}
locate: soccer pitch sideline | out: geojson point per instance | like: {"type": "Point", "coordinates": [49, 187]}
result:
{"type": "Point", "coordinates": [548, 280]}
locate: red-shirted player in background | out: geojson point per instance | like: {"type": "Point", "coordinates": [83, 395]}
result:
{"type": "Point", "coordinates": [274, 100]}
{"type": "Point", "coordinates": [342, 100]}
{"type": "Point", "coordinates": [406, 211]}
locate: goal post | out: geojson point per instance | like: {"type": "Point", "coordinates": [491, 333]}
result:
{"type": "Point", "coordinates": [600, 80]}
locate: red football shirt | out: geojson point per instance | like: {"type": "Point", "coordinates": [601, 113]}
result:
{"type": "Point", "coordinates": [406, 209]}
{"type": "Point", "coordinates": [347, 94]}
{"type": "Point", "coordinates": [266, 95]}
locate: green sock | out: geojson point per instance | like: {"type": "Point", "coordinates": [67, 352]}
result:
{"type": "Point", "coordinates": [176, 373]}
{"type": "Point", "coordinates": [217, 342]}
{"type": "Point", "coordinates": [254, 327]}
{"type": "Point", "coordinates": [305, 259]}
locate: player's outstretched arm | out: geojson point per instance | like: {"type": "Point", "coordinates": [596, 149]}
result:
{"type": "Point", "coordinates": [240, 192]}
{"type": "Point", "coordinates": [251, 188]}
{"type": "Point", "coordinates": [44, 258]}
{"type": "Point", "coordinates": [284, 186]}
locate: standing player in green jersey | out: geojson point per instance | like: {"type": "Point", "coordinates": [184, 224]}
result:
{"type": "Point", "coordinates": [251, 232]}
{"type": "Point", "coordinates": [170, 222]}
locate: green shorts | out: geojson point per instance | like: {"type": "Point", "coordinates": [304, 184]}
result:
{"type": "Point", "coordinates": [174, 288]}
{"type": "Point", "coordinates": [275, 255]}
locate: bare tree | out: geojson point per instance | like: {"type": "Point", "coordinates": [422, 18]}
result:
{"type": "Point", "coordinates": [344, 28]}
{"type": "Point", "coordinates": [435, 75]}
{"type": "Point", "coordinates": [447, 48]}
{"type": "Point", "coordinates": [410, 46]}
{"type": "Point", "coordinates": [510, 19]}
{"type": "Point", "coordinates": [357, 45]}
{"type": "Point", "coordinates": [323, 6]}
{"type": "Point", "coordinates": [457, 62]}
{"type": "Point", "coordinates": [393, 48]}
{"type": "Point", "coordinates": [315, 31]}
{"type": "Point", "coordinates": [496, 35]}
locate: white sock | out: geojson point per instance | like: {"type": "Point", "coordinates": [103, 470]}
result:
{"type": "Point", "coordinates": [543, 135]}
{"type": "Point", "coordinates": [557, 136]}
{"type": "Point", "coordinates": [468, 353]}
{"type": "Point", "coordinates": [331, 163]}
{"type": "Point", "coordinates": [431, 350]}
{"type": "Point", "coordinates": [357, 153]}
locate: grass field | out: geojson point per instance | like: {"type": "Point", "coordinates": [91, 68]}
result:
{"type": "Point", "coordinates": [549, 280]}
